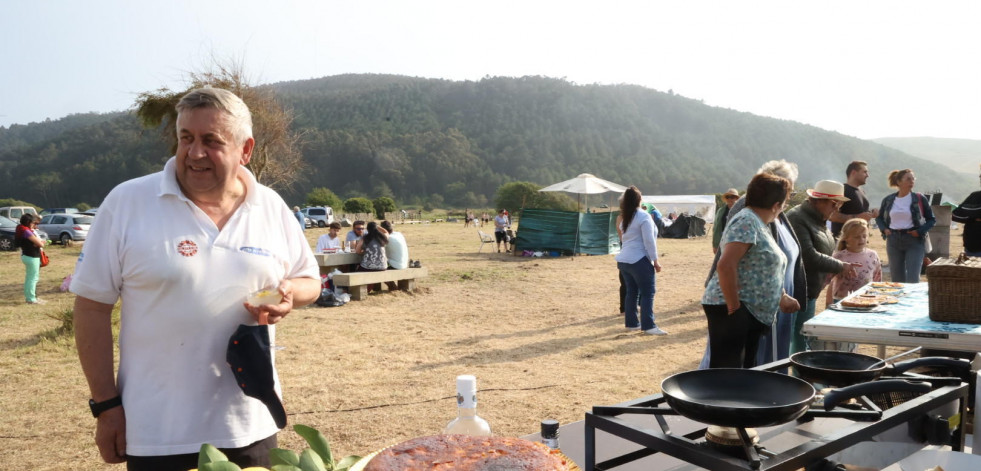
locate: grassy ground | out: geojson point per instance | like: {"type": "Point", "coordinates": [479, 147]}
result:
{"type": "Point", "coordinates": [543, 336]}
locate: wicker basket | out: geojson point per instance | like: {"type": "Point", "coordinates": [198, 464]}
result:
{"type": "Point", "coordinates": [955, 290]}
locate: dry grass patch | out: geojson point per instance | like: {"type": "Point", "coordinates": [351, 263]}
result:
{"type": "Point", "coordinates": [543, 336]}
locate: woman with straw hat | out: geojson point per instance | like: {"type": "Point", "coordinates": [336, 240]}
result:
{"type": "Point", "coordinates": [809, 221]}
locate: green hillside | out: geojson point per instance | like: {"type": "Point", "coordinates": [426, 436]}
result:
{"type": "Point", "coordinates": [414, 138]}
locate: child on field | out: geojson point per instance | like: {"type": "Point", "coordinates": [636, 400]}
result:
{"type": "Point", "coordinates": [853, 248]}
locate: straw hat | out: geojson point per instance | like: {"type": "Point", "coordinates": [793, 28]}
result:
{"type": "Point", "coordinates": [828, 190]}
{"type": "Point", "coordinates": [731, 191]}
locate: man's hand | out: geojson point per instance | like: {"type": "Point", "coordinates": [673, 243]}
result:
{"type": "Point", "coordinates": [110, 435]}
{"type": "Point", "coordinates": [273, 313]}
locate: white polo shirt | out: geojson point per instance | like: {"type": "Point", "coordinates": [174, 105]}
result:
{"type": "Point", "coordinates": [182, 283]}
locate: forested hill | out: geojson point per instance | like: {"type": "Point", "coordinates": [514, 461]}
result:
{"type": "Point", "coordinates": [414, 138]}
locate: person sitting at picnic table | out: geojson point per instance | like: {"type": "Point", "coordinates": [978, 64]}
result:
{"type": "Point", "coordinates": [744, 293]}
{"type": "Point", "coordinates": [330, 240]}
{"type": "Point", "coordinates": [372, 250]}
{"type": "Point", "coordinates": [354, 236]}
{"type": "Point", "coordinates": [397, 250]}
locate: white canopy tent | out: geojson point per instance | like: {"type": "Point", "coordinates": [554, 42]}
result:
{"type": "Point", "coordinates": [586, 184]}
{"type": "Point", "coordinates": [702, 206]}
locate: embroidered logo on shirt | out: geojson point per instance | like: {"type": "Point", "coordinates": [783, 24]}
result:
{"type": "Point", "coordinates": [187, 248]}
{"type": "Point", "coordinates": [256, 251]}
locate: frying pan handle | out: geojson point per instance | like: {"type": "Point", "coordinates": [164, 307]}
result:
{"type": "Point", "coordinates": [960, 367]}
{"type": "Point", "coordinates": [837, 396]}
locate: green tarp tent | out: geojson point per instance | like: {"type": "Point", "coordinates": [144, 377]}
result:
{"type": "Point", "coordinates": [567, 232]}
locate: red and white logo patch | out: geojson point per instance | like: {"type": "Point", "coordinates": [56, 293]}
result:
{"type": "Point", "coordinates": [187, 248]}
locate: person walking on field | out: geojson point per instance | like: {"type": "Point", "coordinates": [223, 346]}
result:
{"type": "Point", "coordinates": [721, 216]}
{"type": "Point", "coordinates": [638, 263]}
{"type": "Point", "coordinates": [857, 205]}
{"type": "Point", "coordinates": [904, 219]}
{"type": "Point", "coordinates": [182, 249]}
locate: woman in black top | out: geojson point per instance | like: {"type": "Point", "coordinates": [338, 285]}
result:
{"type": "Point", "coordinates": [969, 213]}
{"type": "Point", "coordinates": [30, 249]}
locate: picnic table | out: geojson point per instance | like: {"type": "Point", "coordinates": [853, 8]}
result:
{"type": "Point", "coordinates": [339, 260]}
{"type": "Point", "coordinates": [906, 323]}
{"type": "Point", "coordinates": [357, 282]}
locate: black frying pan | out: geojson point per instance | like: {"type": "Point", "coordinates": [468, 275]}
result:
{"type": "Point", "coordinates": [737, 398]}
{"type": "Point", "coordinates": [835, 368]}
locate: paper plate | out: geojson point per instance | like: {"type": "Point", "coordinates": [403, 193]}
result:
{"type": "Point", "coordinates": [360, 465]}
{"type": "Point", "coordinates": [838, 307]}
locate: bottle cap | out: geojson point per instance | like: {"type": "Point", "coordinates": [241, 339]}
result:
{"type": "Point", "coordinates": [550, 428]}
{"type": "Point", "coordinates": [466, 384]}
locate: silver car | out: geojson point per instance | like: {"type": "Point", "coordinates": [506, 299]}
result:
{"type": "Point", "coordinates": [65, 227]}
{"type": "Point", "coordinates": [8, 228]}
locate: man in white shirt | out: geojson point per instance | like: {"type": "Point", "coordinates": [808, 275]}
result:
{"type": "Point", "coordinates": [183, 275]}
{"type": "Point", "coordinates": [397, 250]}
{"type": "Point", "coordinates": [330, 240]}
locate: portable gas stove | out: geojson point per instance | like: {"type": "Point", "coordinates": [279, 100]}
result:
{"type": "Point", "coordinates": [810, 442]}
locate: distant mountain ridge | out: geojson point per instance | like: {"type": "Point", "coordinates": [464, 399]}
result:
{"type": "Point", "coordinates": [962, 155]}
{"type": "Point", "coordinates": [455, 142]}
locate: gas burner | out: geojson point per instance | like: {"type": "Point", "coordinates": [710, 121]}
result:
{"type": "Point", "coordinates": [823, 433]}
{"type": "Point", "coordinates": [729, 436]}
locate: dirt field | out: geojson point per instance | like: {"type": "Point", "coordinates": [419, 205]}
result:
{"type": "Point", "coordinates": [543, 336]}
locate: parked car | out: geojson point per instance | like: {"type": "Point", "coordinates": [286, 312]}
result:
{"type": "Point", "coordinates": [67, 227]}
{"type": "Point", "coordinates": [15, 212]}
{"type": "Point", "coordinates": [8, 228]}
{"type": "Point", "coordinates": [319, 215]}
{"type": "Point", "coordinates": [59, 210]}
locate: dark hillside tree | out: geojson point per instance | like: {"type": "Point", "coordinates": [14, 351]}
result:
{"type": "Point", "coordinates": [277, 160]}
{"type": "Point", "coordinates": [383, 204]}
{"type": "Point", "coordinates": [323, 197]}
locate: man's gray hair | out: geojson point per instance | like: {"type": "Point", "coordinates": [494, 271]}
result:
{"type": "Point", "coordinates": [781, 168]}
{"type": "Point", "coordinates": [220, 99]}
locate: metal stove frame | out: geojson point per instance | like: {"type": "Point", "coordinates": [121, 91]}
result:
{"type": "Point", "coordinates": [660, 438]}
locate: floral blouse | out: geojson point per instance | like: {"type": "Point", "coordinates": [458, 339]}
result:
{"type": "Point", "coordinates": [374, 257]}
{"type": "Point", "coordinates": [761, 270]}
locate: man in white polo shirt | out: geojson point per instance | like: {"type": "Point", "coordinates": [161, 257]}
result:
{"type": "Point", "coordinates": [183, 248]}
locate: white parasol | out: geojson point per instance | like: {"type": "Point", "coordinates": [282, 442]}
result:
{"type": "Point", "coordinates": [586, 183]}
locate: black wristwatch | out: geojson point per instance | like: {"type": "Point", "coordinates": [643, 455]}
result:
{"type": "Point", "coordinates": [100, 407]}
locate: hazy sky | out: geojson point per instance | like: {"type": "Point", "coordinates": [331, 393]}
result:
{"type": "Point", "coordinates": [862, 68]}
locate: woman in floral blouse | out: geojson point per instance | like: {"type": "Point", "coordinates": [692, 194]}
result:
{"type": "Point", "coordinates": [744, 293]}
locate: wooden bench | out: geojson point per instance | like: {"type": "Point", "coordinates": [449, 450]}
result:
{"type": "Point", "coordinates": [357, 282]}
